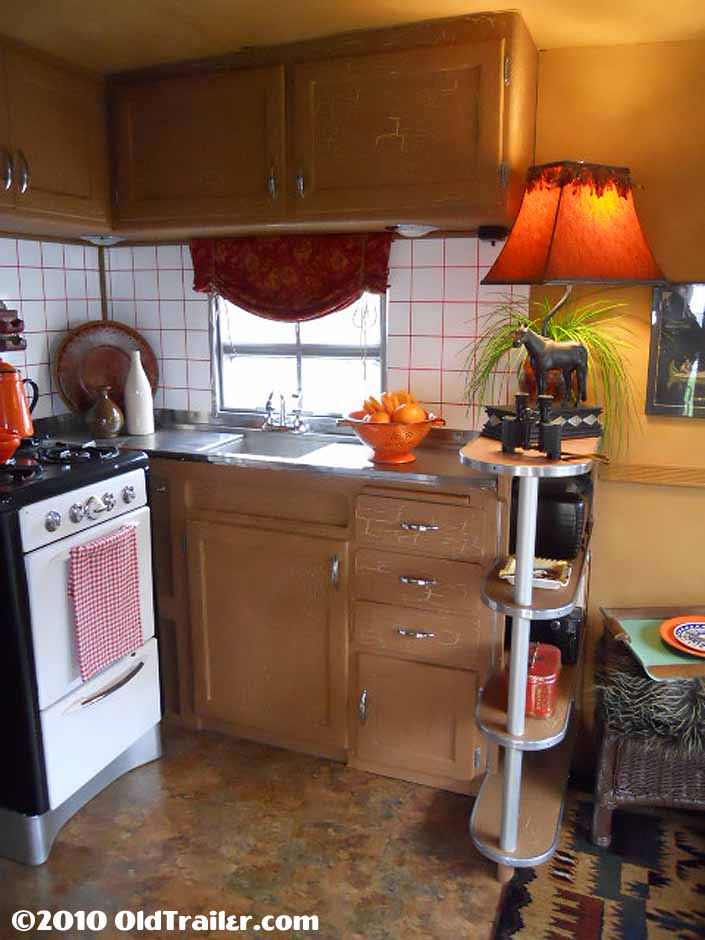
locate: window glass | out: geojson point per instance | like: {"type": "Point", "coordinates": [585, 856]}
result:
{"type": "Point", "coordinates": [335, 362]}
{"type": "Point", "coordinates": [248, 380]}
{"type": "Point", "coordinates": [337, 386]}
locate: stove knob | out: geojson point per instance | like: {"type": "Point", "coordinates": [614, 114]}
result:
{"type": "Point", "coordinates": [109, 501]}
{"type": "Point", "coordinates": [77, 512]}
{"type": "Point", "coordinates": [52, 521]}
{"type": "Point", "coordinates": [129, 495]}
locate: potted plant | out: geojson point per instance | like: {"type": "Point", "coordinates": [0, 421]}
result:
{"type": "Point", "coordinates": [595, 324]}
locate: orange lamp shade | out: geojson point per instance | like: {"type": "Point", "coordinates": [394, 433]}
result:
{"type": "Point", "coordinates": [577, 223]}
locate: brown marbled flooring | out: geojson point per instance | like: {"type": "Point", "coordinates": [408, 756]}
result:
{"type": "Point", "coordinates": [221, 823]}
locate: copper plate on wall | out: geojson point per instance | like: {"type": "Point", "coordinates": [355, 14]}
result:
{"type": "Point", "coordinates": [96, 354]}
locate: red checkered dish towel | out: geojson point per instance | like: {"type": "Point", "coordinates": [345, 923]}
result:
{"type": "Point", "coordinates": [104, 588]}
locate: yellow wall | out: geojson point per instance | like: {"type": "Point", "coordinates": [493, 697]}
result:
{"type": "Point", "coordinates": [642, 106]}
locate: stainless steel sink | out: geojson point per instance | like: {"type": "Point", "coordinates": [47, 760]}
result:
{"type": "Point", "coordinates": [180, 442]}
{"type": "Point", "coordinates": [279, 445]}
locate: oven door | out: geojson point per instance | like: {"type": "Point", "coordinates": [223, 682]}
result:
{"type": "Point", "coordinates": [88, 729]}
{"type": "Point", "coordinates": [53, 633]}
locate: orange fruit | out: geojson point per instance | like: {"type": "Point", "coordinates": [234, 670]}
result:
{"type": "Point", "coordinates": [380, 417]}
{"type": "Point", "coordinates": [409, 413]}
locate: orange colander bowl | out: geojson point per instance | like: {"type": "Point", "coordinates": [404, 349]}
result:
{"type": "Point", "coordinates": [391, 443]}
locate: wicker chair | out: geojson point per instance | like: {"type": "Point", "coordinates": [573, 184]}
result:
{"type": "Point", "coordinates": [641, 770]}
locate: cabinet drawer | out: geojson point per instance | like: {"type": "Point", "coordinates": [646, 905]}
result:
{"type": "Point", "coordinates": [425, 583]}
{"type": "Point", "coordinates": [433, 637]}
{"type": "Point", "coordinates": [465, 533]}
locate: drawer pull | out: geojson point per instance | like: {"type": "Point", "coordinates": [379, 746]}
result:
{"type": "Point", "coordinates": [419, 527]}
{"type": "Point", "coordinates": [420, 582]}
{"type": "Point", "coordinates": [362, 706]}
{"type": "Point", "coordinates": [415, 634]}
{"type": "Point", "coordinates": [104, 693]}
{"type": "Point", "coordinates": [335, 571]}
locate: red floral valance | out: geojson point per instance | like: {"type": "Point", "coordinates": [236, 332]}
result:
{"type": "Point", "coordinates": [292, 277]}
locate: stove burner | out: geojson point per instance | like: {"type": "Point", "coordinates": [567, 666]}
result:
{"type": "Point", "coordinates": [69, 454]}
{"type": "Point", "coordinates": [18, 469]}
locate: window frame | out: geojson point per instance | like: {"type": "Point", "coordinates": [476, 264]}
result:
{"type": "Point", "coordinates": [298, 350]}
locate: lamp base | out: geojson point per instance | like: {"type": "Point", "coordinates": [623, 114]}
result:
{"type": "Point", "coordinates": [581, 421]}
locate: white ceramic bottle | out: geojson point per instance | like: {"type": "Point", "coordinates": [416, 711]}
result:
{"type": "Point", "coordinates": [139, 403]}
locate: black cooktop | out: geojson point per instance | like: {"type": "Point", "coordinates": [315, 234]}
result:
{"type": "Point", "coordinates": [44, 468]}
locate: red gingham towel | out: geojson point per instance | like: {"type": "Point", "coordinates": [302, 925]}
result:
{"type": "Point", "coordinates": [104, 588]}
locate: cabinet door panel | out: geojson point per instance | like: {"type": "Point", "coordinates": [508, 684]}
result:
{"type": "Point", "coordinates": [58, 123]}
{"type": "Point", "coordinates": [269, 631]}
{"type": "Point", "coordinates": [7, 196]}
{"type": "Point", "coordinates": [418, 717]}
{"type": "Point", "coordinates": [415, 129]}
{"type": "Point", "coordinates": [200, 147]}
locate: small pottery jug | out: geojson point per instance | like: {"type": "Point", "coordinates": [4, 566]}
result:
{"type": "Point", "coordinates": [105, 418]}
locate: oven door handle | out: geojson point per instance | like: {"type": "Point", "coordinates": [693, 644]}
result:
{"type": "Point", "coordinates": [104, 693]}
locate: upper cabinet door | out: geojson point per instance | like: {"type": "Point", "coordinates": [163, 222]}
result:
{"type": "Point", "coordinates": [416, 133]}
{"type": "Point", "coordinates": [207, 147]}
{"type": "Point", "coordinates": [7, 195]}
{"type": "Point", "coordinates": [58, 133]}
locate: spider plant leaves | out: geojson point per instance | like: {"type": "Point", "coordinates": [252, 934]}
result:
{"type": "Point", "coordinates": [597, 324]}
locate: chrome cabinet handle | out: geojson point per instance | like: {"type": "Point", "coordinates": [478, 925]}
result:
{"type": "Point", "coordinates": [104, 693]}
{"type": "Point", "coordinates": [362, 706]}
{"type": "Point", "coordinates": [24, 173]}
{"type": "Point", "coordinates": [415, 634]}
{"type": "Point", "coordinates": [300, 185]}
{"type": "Point", "coordinates": [160, 488]}
{"type": "Point", "coordinates": [335, 571]}
{"type": "Point", "coordinates": [272, 184]}
{"type": "Point", "coordinates": [8, 172]}
{"type": "Point", "coordinates": [419, 527]}
{"type": "Point", "coordinates": [421, 582]}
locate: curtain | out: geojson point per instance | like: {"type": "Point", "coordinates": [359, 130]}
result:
{"type": "Point", "coordinates": [292, 277]}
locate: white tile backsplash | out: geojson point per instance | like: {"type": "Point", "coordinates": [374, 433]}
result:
{"type": "Point", "coordinates": [47, 282]}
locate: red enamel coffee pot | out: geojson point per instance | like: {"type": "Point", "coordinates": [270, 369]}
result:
{"type": "Point", "coordinates": [15, 410]}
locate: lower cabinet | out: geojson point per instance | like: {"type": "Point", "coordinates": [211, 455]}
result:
{"type": "Point", "coordinates": [414, 720]}
{"type": "Point", "coordinates": [268, 614]}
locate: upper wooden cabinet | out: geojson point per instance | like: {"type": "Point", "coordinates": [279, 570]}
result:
{"type": "Point", "coordinates": [202, 147]}
{"type": "Point", "coordinates": [7, 194]}
{"type": "Point", "coordinates": [411, 133]}
{"type": "Point", "coordinates": [53, 129]}
{"type": "Point", "coordinates": [432, 123]}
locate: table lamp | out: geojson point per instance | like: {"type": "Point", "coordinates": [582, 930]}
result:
{"type": "Point", "coordinates": [577, 224]}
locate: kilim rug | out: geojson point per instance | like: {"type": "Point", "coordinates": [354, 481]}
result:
{"type": "Point", "coordinates": [649, 885]}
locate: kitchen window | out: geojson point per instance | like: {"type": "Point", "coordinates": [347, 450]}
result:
{"type": "Point", "coordinates": [333, 363]}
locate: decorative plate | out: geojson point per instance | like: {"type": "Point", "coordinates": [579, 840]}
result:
{"type": "Point", "coordinates": [686, 634]}
{"type": "Point", "coordinates": [549, 573]}
{"type": "Point", "coordinates": [98, 354]}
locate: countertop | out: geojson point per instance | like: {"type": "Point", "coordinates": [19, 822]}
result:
{"type": "Point", "coordinates": [433, 465]}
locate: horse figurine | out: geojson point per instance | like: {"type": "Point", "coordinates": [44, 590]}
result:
{"type": "Point", "coordinates": [546, 354]}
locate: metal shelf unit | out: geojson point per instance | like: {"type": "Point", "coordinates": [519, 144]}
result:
{"type": "Point", "coordinates": [518, 812]}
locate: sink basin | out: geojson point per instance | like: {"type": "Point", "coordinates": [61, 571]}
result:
{"type": "Point", "coordinates": [271, 444]}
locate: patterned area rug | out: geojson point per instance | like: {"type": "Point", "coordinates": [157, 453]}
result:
{"type": "Point", "coordinates": [650, 885]}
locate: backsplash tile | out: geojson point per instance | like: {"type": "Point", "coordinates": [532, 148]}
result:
{"type": "Point", "coordinates": [55, 286]}
{"type": "Point", "coordinates": [149, 287]}
{"type": "Point", "coordinates": [436, 309]}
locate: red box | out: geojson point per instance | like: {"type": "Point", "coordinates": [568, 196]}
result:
{"type": "Point", "coordinates": [542, 680]}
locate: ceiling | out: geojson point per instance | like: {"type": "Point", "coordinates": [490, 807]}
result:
{"type": "Point", "coordinates": [113, 35]}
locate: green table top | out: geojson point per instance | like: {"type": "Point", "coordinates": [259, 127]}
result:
{"type": "Point", "coordinates": [660, 661]}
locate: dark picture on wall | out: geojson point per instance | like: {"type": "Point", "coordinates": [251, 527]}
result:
{"type": "Point", "coordinates": [676, 383]}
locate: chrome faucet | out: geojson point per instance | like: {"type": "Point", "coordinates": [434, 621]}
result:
{"type": "Point", "coordinates": [270, 424]}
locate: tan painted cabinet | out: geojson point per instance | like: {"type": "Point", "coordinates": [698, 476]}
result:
{"type": "Point", "coordinates": [268, 618]}
{"type": "Point", "coordinates": [7, 195]}
{"type": "Point", "coordinates": [432, 122]}
{"type": "Point", "coordinates": [411, 131]}
{"type": "Point", "coordinates": [415, 717]}
{"type": "Point", "coordinates": [53, 126]}
{"type": "Point", "coordinates": [204, 147]}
